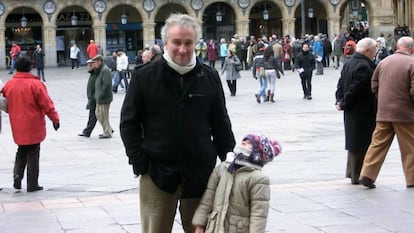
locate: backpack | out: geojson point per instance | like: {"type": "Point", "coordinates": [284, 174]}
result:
{"type": "Point", "coordinates": [349, 49]}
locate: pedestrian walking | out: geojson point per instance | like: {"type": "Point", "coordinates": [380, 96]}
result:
{"type": "Point", "coordinates": [304, 65]}
{"type": "Point", "coordinates": [14, 54]}
{"type": "Point", "coordinates": [92, 49]}
{"type": "Point", "coordinates": [212, 53]}
{"type": "Point", "coordinates": [174, 124]}
{"type": "Point", "coordinates": [74, 56]}
{"type": "Point", "coordinates": [122, 68]}
{"type": "Point", "coordinates": [25, 92]}
{"type": "Point", "coordinates": [103, 94]}
{"type": "Point", "coordinates": [232, 74]}
{"type": "Point", "coordinates": [91, 104]}
{"type": "Point", "coordinates": [355, 98]}
{"type": "Point", "coordinates": [318, 52]}
{"type": "Point", "coordinates": [238, 191]}
{"type": "Point", "coordinates": [273, 69]}
{"type": "Point", "coordinates": [259, 72]}
{"type": "Point", "coordinates": [393, 84]}
{"type": "Point", "coordinates": [39, 62]}
{"type": "Point", "coordinates": [223, 51]}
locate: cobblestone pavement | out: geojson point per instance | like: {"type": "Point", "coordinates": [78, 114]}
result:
{"type": "Point", "coordinates": [89, 187]}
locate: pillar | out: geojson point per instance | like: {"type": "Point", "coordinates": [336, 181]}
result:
{"type": "Point", "coordinates": [49, 45]}
{"type": "Point", "coordinates": [242, 27]}
{"type": "Point", "coordinates": [100, 36]}
{"type": "Point", "coordinates": [288, 27]}
{"type": "Point", "coordinates": [148, 33]}
{"type": "Point", "coordinates": [2, 48]}
{"type": "Point", "coordinates": [334, 26]}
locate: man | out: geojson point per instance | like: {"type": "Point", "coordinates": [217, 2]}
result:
{"type": "Point", "coordinates": [103, 94]}
{"type": "Point", "coordinates": [393, 84]}
{"type": "Point", "coordinates": [26, 93]}
{"type": "Point", "coordinates": [304, 65]}
{"type": "Point", "coordinates": [355, 98]}
{"type": "Point", "coordinates": [14, 54]}
{"type": "Point", "coordinates": [92, 49]}
{"type": "Point", "coordinates": [174, 124]}
{"type": "Point", "coordinates": [91, 105]}
{"type": "Point", "coordinates": [39, 62]}
{"type": "Point", "coordinates": [146, 56]}
{"type": "Point", "coordinates": [156, 52]}
{"type": "Point", "coordinates": [201, 50]}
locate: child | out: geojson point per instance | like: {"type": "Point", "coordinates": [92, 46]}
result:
{"type": "Point", "coordinates": [237, 195]}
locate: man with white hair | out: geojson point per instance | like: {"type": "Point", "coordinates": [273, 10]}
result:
{"type": "Point", "coordinates": [355, 98]}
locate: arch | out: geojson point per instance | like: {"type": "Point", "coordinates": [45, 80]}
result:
{"type": "Point", "coordinates": [314, 23]}
{"type": "Point", "coordinates": [213, 29]}
{"type": "Point", "coordinates": [266, 27]}
{"type": "Point", "coordinates": [162, 14]}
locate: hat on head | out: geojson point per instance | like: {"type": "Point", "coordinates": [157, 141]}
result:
{"type": "Point", "coordinates": [94, 59]}
{"type": "Point", "coordinates": [264, 149]}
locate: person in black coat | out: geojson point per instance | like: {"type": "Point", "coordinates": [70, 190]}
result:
{"type": "Point", "coordinates": [39, 62]}
{"type": "Point", "coordinates": [174, 125]}
{"type": "Point", "coordinates": [304, 65]}
{"type": "Point", "coordinates": [355, 98]}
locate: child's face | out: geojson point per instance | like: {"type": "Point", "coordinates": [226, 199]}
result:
{"type": "Point", "coordinates": [247, 144]}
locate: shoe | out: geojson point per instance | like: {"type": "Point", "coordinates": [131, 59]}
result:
{"type": "Point", "coordinates": [38, 188]}
{"type": "Point", "coordinates": [410, 186]}
{"type": "Point", "coordinates": [257, 98]}
{"type": "Point", "coordinates": [305, 97]}
{"type": "Point", "coordinates": [102, 136]}
{"type": "Point", "coordinates": [309, 97]}
{"type": "Point", "coordinates": [17, 182]}
{"type": "Point", "coordinates": [83, 135]}
{"type": "Point", "coordinates": [10, 73]}
{"type": "Point", "coordinates": [367, 182]}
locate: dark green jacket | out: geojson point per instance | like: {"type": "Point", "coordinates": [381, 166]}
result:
{"type": "Point", "coordinates": [90, 91]}
{"type": "Point", "coordinates": [103, 85]}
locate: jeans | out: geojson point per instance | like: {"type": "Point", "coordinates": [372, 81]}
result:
{"type": "Point", "coordinates": [12, 65]}
{"type": "Point", "coordinates": [263, 85]}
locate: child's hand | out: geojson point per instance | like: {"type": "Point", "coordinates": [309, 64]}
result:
{"type": "Point", "coordinates": [199, 229]}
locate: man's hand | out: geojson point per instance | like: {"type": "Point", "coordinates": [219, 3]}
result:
{"type": "Point", "coordinates": [56, 126]}
{"type": "Point", "coordinates": [135, 170]}
{"type": "Point", "coordinates": [199, 229]}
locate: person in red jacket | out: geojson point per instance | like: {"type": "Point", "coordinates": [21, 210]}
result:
{"type": "Point", "coordinates": [28, 103]}
{"type": "Point", "coordinates": [14, 54]}
{"type": "Point", "coordinates": [92, 49]}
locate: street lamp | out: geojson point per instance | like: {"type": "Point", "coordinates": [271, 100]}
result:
{"type": "Point", "coordinates": [310, 12]}
{"type": "Point", "coordinates": [265, 13]}
{"type": "Point", "coordinates": [74, 19]}
{"type": "Point", "coordinates": [219, 16]}
{"type": "Point", "coordinates": [124, 19]}
{"type": "Point", "coordinates": [302, 17]}
{"type": "Point", "coordinates": [23, 21]}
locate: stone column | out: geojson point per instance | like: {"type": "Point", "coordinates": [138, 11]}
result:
{"type": "Point", "coordinates": [288, 25]}
{"type": "Point", "coordinates": [100, 36]}
{"type": "Point", "coordinates": [242, 27]}
{"type": "Point", "coordinates": [334, 25]}
{"type": "Point", "coordinates": [381, 24]}
{"type": "Point", "coordinates": [148, 33]}
{"type": "Point", "coordinates": [2, 49]}
{"type": "Point", "coordinates": [49, 45]}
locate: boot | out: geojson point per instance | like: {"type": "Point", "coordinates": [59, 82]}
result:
{"type": "Point", "coordinates": [271, 98]}
{"type": "Point", "coordinates": [267, 97]}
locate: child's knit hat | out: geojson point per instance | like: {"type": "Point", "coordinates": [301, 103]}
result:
{"type": "Point", "coordinates": [264, 149]}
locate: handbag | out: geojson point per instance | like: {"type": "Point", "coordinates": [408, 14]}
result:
{"type": "Point", "coordinates": [238, 67]}
{"type": "Point", "coordinates": [287, 56]}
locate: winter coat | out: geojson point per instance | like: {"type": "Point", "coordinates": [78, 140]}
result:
{"type": "Point", "coordinates": [393, 83]}
{"type": "Point", "coordinates": [234, 203]}
{"type": "Point", "coordinates": [103, 85]}
{"type": "Point", "coordinates": [337, 48]}
{"type": "Point", "coordinates": [229, 67]}
{"type": "Point", "coordinates": [174, 126]}
{"type": "Point", "coordinates": [305, 60]}
{"type": "Point", "coordinates": [212, 51]}
{"type": "Point", "coordinates": [90, 91]}
{"type": "Point", "coordinates": [358, 102]}
{"type": "Point", "coordinates": [38, 58]}
{"type": "Point", "coordinates": [28, 103]}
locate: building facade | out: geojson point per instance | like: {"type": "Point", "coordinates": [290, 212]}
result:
{"type": "Point", "coordinates": [132, 24]}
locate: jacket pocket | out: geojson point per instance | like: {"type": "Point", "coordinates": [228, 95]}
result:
{"type": "Point", "coordinates": [211, 222]}
{"type": "Point", "coordinates": [238, 224]}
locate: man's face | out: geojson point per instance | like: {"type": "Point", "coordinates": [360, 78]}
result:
{"type": "Point", "coordinates": [90, 66]}
{"type": "Point", "coordinates": [180, 44]}
{"type": "Point", "coordinates": [305, 47]}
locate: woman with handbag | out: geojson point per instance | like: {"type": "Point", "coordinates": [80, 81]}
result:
{"type": "Point", "coordinates": [232, 74]}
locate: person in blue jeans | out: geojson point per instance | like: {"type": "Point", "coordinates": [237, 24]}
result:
{"type": "Point", "coordinates": [258, 72]}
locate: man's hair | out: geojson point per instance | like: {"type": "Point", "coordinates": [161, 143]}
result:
{"type": "Point", "coordinates": [405, 42]}
{"type": "Point", "coordinates": [365, 43]}
{"type": "Point", "coordinates": [182, 20]}
{"type": "Point", "coordinates": [23, 64]}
